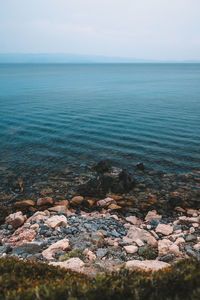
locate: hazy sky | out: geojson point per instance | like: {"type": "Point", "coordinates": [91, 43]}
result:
{"type": "Point", "coordinates": [149, 29]}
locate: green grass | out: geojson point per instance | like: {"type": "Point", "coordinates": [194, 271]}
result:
{"type": "Point", "coordinates": [26, 280]}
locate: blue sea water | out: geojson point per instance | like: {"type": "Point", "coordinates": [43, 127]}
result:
{"type": "Point", "coordinates": [52, 116]}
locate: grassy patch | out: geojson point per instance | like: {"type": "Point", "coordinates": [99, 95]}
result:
{"type": "Point", "coordinates": [26, 280]}
{"type": "Point", "coordinates": [73, 253]}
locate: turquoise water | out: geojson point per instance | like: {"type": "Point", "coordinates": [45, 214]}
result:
{"type": "Point", "coordinates": [52, 116]}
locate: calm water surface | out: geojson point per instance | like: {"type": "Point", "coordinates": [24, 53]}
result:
{"type": "Point", "coordinates": [52, 116]}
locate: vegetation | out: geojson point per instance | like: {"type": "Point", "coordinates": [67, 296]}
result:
{"type": "Point", "coordinates": [27, 280]}
{"type": "Point", "coordinates": [73, 253]}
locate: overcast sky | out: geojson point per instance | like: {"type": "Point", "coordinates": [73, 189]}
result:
{"type": "Point", "coordinates": [148, 29]}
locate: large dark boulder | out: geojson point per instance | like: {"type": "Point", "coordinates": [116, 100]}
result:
{"type": "Point", "coordinates": [102, 166]}
{"type": "Point", "coordinates": [101, 184]}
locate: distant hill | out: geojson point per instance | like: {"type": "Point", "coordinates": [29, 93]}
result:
{"type": "Point", "coordinates": [64, 58]}
{"type": "Point", "coordinates": [73, 58]}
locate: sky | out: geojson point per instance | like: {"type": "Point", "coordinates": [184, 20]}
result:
{"type": "Point", "coordinates": [143, 29]}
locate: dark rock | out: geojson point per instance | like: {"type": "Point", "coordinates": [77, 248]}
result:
{"type": "Point", "coordinates": [100, 185]}
{"type": "Point", "coordinates": [190, 238]}
{"type": "Point", "coordinates": [44, 244]}
{"type": "Point", "coordinates": [140, 166]}
{"type": "Point", "coordinates": [177, 227]}
{"type": "Point", "coordinates": [10, 227]}
{"type": "Point", "coordinates": [101, 252]}
{"type": "Point", "coordinates": [59, 253]}
{"type": "Point", "coordinates": [102, 166]}
{"type": "Point", "coordinates": [167, 258]}
{"type": "Point", "coordinates": [30, 248]}
{"type": "Point", "coordinates": [5, 249]}
{"type": "Point", "coordinates": [154, 222]}
{"type": "Point", "coordinates": [188, 247]}
{"type": "Point", "coordinates": [175, 201]}
{"type": "Point", "coordinates": [191, 253]}
{"type": "Point", "coordinates": [115, 233]}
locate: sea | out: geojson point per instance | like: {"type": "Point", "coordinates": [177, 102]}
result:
{"type": "Point", "coordinates": [54, 116]}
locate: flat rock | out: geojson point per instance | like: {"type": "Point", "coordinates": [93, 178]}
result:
{"type": "Point", "coordinates": [146, 265]}
{"type": "Point", "coordinates": [132, 219]}
{"type": "Point", "coordinates": [105, 202]}
{"type": "Point", "coordinates": [63, 203]}
{"type": "Point", "coordinates": [131, 249]}
{"type": "Point", "coordinates": [24, 203]}
{"type": "Point", "coordinates": [56, 221]}
{"type": "Point", "coordinates": [29, 248]}
{"type": "Point", "coordinates": [135, 233]}
{"type": "Point", "coordinates": [51, 251]}
{"type": "Point", "coordinates": [59, 209]}
{"type": "Point", "coordinates": [39, 216]}
{"type": "Point", "coordinates": [44, 201]}
{"type": "Point", "coordinates": [77, 200]}
{"type": "Point", "coordinates": [164, 229]}
{"type": "Point", "coordinates": [152, 215]}
{"type": "Point", "coordinates": [75, 264]}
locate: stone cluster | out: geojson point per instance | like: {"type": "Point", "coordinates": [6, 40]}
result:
{"type": "Point", "coordinates": [104, 239]}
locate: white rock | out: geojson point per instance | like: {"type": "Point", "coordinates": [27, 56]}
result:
{"type": "Point", "coordinates": [135, 233]}
{"type": "Point", "coordinates": [192, 212]}
{"type": "Point", "coordinates": [164, 229]}
{"type": "Point", "coordinates": [139, 242]}
{"type": "Point", "coordinates": [197, 247]}
{"type": "Point", "coordinates": [195, 225]}
{"type": "Point", "coordinates": [16, 220]}
{"type": "Point", "coordinates": [59, 209]}
{"type": "Point", "coordinates": [179, 241]}
{"type": "Point", "coordinates": [56, 221]}
{"type": "Point", "coordinates": [39, 216]}
{"type": "Point", "coordinates": [60, 245]}
{"type": "Point", "coordinates": [152, 215]}
{"type": "Point", "coordinates": [174, 249]}
{"type": "Point", "coordinates": [154, 234]}
{"type": "Point", "coordinates": [90, 254]}
{"type": "Point", "coordinates": [187, 220]}
{"type": "Point", "coordinates": [75, 264]}
{"type": "Point", "coordinates": [163, 247]}
{"type": "Point", "coordinates": [132, 219]}
{"type": "Point", "coordinates": [146, 265]}
{"type": "Point", "coordinates": [192, 230]}
{"type": "Point", "coordinates": [131, 249]}
{"type": "Point", "coordinates": [105, 202]}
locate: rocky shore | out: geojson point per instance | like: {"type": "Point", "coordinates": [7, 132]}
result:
{"type": "Point", "coordinates": [92, 242]}
{"type": "Point", "coordinates": [104, 221]}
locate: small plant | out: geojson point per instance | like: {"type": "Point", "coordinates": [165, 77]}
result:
{"type": "Point", "coordinates": [73, 253]}
{"type": "Point", "coordinates": [149, 253]}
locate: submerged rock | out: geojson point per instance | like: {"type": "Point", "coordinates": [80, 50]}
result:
{"type": "Point", "coordinates": [102, 184]}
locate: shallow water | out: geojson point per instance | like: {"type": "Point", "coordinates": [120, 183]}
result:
{"type": "Point", "coordinates": [52, 116]}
